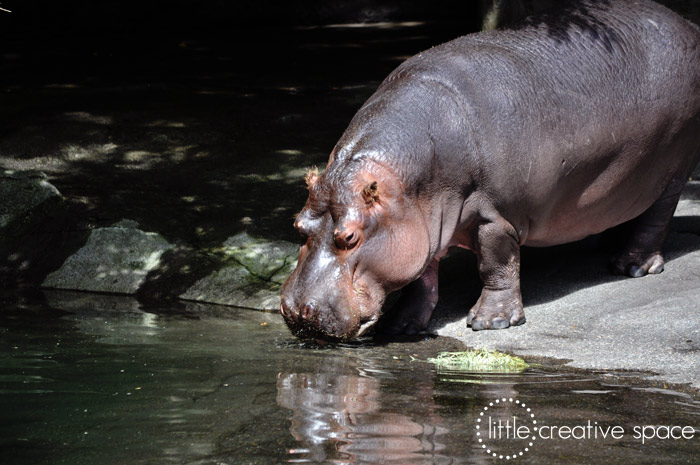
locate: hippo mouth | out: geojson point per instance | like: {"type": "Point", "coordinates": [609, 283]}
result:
{"type": "Point", "coordinates": [306, 330]}
{"type": "Point", "coordinates": [366, 324]}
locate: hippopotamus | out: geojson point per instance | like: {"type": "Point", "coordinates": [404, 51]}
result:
{"type": "Point", "coordinates": [574, 121]}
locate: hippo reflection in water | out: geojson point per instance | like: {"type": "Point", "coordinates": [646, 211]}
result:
{"type": "Point", "coordinates": [343, 417]}
{"type": "Point", "coordinates": [575, 121]}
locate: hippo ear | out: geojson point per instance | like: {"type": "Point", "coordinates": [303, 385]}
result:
{"type": "Point", "coordinates": [311, 177]}
{"type": "Point", "coordinates": [370, 193]}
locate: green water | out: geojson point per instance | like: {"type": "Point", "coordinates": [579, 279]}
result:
{"type": "Point", "coordinates": [98, 380]}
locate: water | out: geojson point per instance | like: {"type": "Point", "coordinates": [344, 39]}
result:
{"type": "Point", "coordinates": [97, 379]}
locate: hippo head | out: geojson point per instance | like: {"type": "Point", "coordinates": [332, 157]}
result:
{"type": "Point", "coordinates": [363, 239]}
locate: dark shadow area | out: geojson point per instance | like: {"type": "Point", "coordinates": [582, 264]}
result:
{"type": "Point", "coordinates": [548, 274]}
{"type": "Point", "coordinates": [217, 17]}
{"type": "Point", "coordinates": [573, 21]}
{"type": "Point", "coordinates": [181, 267]}
{"type": "Point", "coordinates": [38, 245]}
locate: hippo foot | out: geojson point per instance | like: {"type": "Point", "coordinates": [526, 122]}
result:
{"type": "Point", "coordinates": [496, 310]}
{"type": "Point", "coordinates": [637, 265]}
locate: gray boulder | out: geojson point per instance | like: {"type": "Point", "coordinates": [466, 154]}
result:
{"type": "Point", "coordinates": [115, 259]}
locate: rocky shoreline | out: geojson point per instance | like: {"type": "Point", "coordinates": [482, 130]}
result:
{"type": "Point", "coordinates": [245, 271]}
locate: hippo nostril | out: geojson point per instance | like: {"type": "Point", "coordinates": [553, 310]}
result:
{"type": "Point", "coordinates": [308, 310]}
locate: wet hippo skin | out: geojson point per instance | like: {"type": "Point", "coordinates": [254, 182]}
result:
{"type": "Point", "coordinates": [577, 120]}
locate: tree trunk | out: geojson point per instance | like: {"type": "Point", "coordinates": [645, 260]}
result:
{"type": "Point", "coordinates": [503, 13]}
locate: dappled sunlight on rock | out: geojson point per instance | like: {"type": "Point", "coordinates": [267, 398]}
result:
{"type": "Point", "coordinates": [92, 152]}
{"type": "Point", "coordinates": [145, 160]}
{"type": "Point", "coordinates": [291, 90]}
{"type": "Point", "coordinates": [139, 159]}
{"type": "Point", "coordinates": [291, 176]}
{"type": "Point", "coordinates": [272, 261]}
{"type": "Point", "coordinates": [289, 151]}
{"type": "Point", "coordinates": [179, 154]}
{"type": "Point", "coordinates": [235, 285]}
{"type": "Point", "coordinates": [165, 124]}
{"type": "Point", "coordinates": [86, 117]}
{"type": "Point", "coordinates": [114, 259]}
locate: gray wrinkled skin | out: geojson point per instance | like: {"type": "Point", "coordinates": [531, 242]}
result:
{"type": "Point", "coordinates": [578, 120]}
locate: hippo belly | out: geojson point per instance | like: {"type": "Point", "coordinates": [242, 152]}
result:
{"type": "Point", "coordinates": [579, 204]}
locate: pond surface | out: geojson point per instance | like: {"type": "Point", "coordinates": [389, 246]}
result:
{"type": "Point", "coordinates": [90, 379]}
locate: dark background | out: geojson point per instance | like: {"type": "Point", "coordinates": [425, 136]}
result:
{"type": "Point", "coordinates": [149, 19]}
{"type": "Point", "coordinates": [214, 17]}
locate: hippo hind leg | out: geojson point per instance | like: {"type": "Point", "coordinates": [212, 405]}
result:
{"type": "Point", "coordinates": [642, 253]}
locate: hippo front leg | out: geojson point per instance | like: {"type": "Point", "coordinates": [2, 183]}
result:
{"type": "Point", "coordinates": [412, 312]}
{"type": "Point", "coordinates": [500, 304]}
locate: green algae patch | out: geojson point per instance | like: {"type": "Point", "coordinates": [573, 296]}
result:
{"type": "Point", "coordinates": [271, 261]}
{"type": "Point", "coordinates": [479, 360]}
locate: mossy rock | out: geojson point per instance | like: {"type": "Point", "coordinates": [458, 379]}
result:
{"type": "Point", "coordinates": [269, 260]}
{"type": "Point", "coordinates": [251, 276]}
{"type": "Point", "coordinates": [235, 285]}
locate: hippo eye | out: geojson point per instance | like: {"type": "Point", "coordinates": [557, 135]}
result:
{"type": "Point", "coordinates": [347, 239]}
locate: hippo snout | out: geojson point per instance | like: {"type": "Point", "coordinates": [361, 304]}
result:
{"type": "Point", "coordinates": [315, 320]}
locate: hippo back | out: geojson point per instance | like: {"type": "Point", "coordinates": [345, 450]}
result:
{"type": "Point", "coordinates": [570, 101]}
